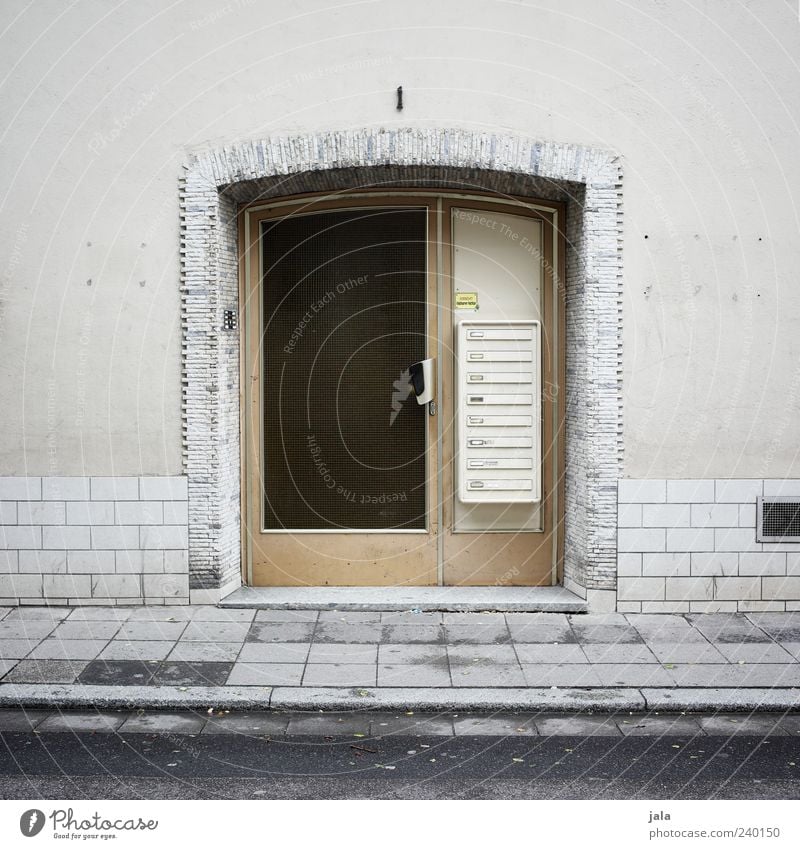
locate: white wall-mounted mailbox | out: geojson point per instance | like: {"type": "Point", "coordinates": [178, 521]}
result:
{"type": "Point", "coordinates": [498, 378]}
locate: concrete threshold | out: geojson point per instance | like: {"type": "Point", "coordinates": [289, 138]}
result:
{"type": "Point", "coordinates": [456, 599]}
{"type": "Point", "coordinates": [576, 700]}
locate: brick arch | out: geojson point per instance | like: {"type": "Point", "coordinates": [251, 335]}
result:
{"type": "Point", "coordinates": [217, 181]}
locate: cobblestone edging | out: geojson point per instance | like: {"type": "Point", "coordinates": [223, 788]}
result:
{"type": "Point", "coordinates": [587, 179]}
{"type": "Point", "coordinates": [94, 540]}
{"type": "Point", "coordinates": [690, 546]}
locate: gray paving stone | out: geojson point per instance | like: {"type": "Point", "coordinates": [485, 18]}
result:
{"type": "Point", "coordinates": [136, 650]}
{"type": "Point", "coordinates": [683, 653]}
{"type": "Point", "coordinates": [495, 632]}
{"type": "Point", "coordinates": [214, 631]}
{"type": "Point", "coordinates": [790, 723]}
{"type": "Point", "coordinates": [495, 726]}
{"type": "Point", "coordinates": [556, 675]}
{"type": "Point", "coordinates": [737, 675]}
{"type": "Point", "coordinates": [4, 611]}
{"type": "Point", "coordinates": [589, 633]}
{"type": "Point", "coordinates": [155, 630]}
{"type": "Point", "coordinates": [616, 653]}
{"type": "Point", "coordinates": [274, 652]}
{"type": "Point", "coordinates": [98, 613]}
{"type": "Point", "coordinates": [409, 653]}
{"type": "Point", "coordinates": [260, 724]}
{"type": "Point", "coordinates": [343, 653]}
{"type": "Point", "coordinates": [15, 649]}
{"type": "Point", "coordinates": [474, 619]}
{"type": "Point", "coordinates": [413, 675]}
{"type": "Point", "coordinates": [350, 617]}
{"type": "Point", "coordinates": [290, 616]}
{"type": "Point", "coordinates": [167, 613]}
{"type": "Point", "coordinates": [55, 649]}
{"type": "Point", "coordinates": [83, 722]}
{"type": "Point", "coordinates": [783, 627]}
{"type": "Point", "coordinates": [547, 653]}
{"type": "Point", "coordinates": [88, 630]}
{"type": "Point", "coordinates": [755, 653]}
{"type": "Point", "coordinates": [223, 614]}
{"type": "Point", "coordinates": [533, 632]}
{"type": "Point", "coordinates": [20, 719]}
{"type": "Point", "coordinates": [406, 617]}
{"type": "Point", "coordinates": [329, 724]}
{"type": "Point", "coordinates": [280, 632]}
{"type": "Point", "coordinates": [475, 654]}
{"type": "Point", "coordinates": [266, 674]}
{"type": "Point", "coordinates": [197, 674]}
{"type": "Point", "coordinates": [163, 723]}
{"type": "Point", "coordinates": [424, 633]}
{"type": "Point", "coordinates": [6, 666]}
{"type": "Point", "coordinates": [26, 629]}
{"type": "Point", "coordinates": [687, 635]}
{"type": "Point", "coordinates": [411, 726]}
{"type": "Point", "coordinates": [32, 613]}
{"type": "Point", "coordinates": [664, 628]}
{"type": "Point", "coordinates": [737, 724]}
{"type": "Point", "coordinates": [728, 628]}
{"type": "Point", "coordinates": [340, 675]}
{"type": "Point", "coordinates": [212, 652]}
{"type": "Point", "coordinates": [577, 726]}
{"type": "Point", "coordinates": [46, 671]}
{"type": "Point", "coordinates": [340, 632]}
{"type": "Point", "coordinates": [492, 675]}
{"type": "Point", "coordinates": [123, 673]}
{"type": "Point", "coordinates": [660, 726]}
{"type": "Point", "coordinates": [792, 648]}
{"type": "Point", "coordinates": [632, 675]}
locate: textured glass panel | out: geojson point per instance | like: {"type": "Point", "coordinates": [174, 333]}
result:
{"type": "Point", "coordinates": [344, 317]}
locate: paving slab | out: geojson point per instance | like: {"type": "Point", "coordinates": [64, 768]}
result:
{"type": "Point", "coordinates": [290, 616]}
{"type": "Point", "coordinates": [407, 617]}
{"type": "Point", "coordinates": [660, 726]}
{"type": "Point", "coordinates": [122, 673]}
{"type": "Point", "coordinates": [548, 653]}
{"type": "Point", "coordinates": [281, 632]}
{"type": "Point", "coordinates": [577, 726]}
{"type": "Point", "coordinates": [415, 725]}
{"type": "Point", "coordinates": [350, 617]}
{"type": "Point", "coordinates": [341, 632]}
{"type": "Point", "coordinates": [55, 649]}
{"type": "Point", "coordinates": [100, 613]}
{"type": "Point", "coordinates": [522, 725]}
{"type": "Point", "coordinates": [325, 724]}
{"type": "Point", "coordinates": [155, 630]}
{"type": "Point", "coordinates": [274, 653]}
{"type": "Point", "coordinates": [343, 653]}
{"type": "Point", "coordinates": [89, 722]}
{"type": "Point", "coordinates": [261, 724]}
{"type": "Point", "coordinates": [558, 675]}
{"type": "Point", "coordinates": [413, 675]}
{"type": "Point", "coordinates": [266, 674]}
{"type": "Point", "coordinates": [410, 653]}
{"type": "Point", "coordinates": [492, 633]}
{"type": "Point", "coordinates": [26, 629]}
{"type": "Point", "coordinates": [727, 628]}
{"type": "Point", "coordinates": [754, 652]}
{"type": "Point", "coordinates": [168, 614]}
{"type": "Point", "coordinates": [340, 675]}
{"type": "Point", "coordinates": [615, 632]}
{"type": "Point", "coordinates": [87, 630]}
{"type": "Point", "coordinates": [617, 653]}
{"type": "Point", "coordinates": [46, 671]}
{"type": "Point", "coordinates": [721, 698]}
{"type": "Point", "coordinates": [30, 613]}
{"type": "Point", "coordinates": [736, 675]}
{"type": "Point", "coordinates": [195, 651]}
{"type": "Point", "coordinates": [632, 675]}
{"type": "Point", "coordinates": [163, 723]}
{"type": "Point", "coordinates": [469, 655]}
{"type": "Point", "coordinates": [21, 720]}
{"type": "Point", "coordinates": [15, 649]}
{"type": "Point", "coordinates": [192, 674]}
{"type": "Point", "coordinates": [686, 653]}
{"type": "Point", "coordinates": [211, 631]}
{"type": "Point", "coordinates": [209, 613]}
{"type": "Point", "coordinates": [430, 633]}
{"type": "Point", "coordinates": [136, 650]}
{"type": "Point", "coordinates": [491, 675]}
{"type": "Point", "coordinates": [736, 724]}
{"type": "Point", "coordinates": [6, 665]}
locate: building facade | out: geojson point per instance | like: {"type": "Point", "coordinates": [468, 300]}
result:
{"type": "Point", "coordinates": [229, 232]}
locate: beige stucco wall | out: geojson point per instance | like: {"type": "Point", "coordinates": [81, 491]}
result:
{"type": "Point", "coordinates": [101, 108]}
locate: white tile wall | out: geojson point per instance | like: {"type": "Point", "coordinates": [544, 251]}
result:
{"type": "Point", "coordinates": [94, 540]}
{"type": "Point", "coordinates": [695, 550]}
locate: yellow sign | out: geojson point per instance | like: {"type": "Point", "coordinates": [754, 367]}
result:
{"type": "Point", "coordinates": [466, 300]}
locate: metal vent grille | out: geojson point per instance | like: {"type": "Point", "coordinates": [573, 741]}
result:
{"type": "Point", "coordinates": [778, 520]}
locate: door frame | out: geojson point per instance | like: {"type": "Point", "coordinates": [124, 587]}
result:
{"type": "Point", "coordinates": [440, 285]}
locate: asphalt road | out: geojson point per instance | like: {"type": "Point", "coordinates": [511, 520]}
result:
{"type": "Point", "coordinates": [112, 766]}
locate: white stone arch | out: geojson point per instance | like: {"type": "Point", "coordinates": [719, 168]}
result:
{"type": "Point", "coordinates": [217, 181]}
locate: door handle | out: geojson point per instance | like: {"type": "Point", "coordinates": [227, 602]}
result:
{"type": "Point", "coordinates": [423, 380]}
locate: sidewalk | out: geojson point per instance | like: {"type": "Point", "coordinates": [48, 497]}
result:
{"type": "Point", "coordinates": [193, 657]}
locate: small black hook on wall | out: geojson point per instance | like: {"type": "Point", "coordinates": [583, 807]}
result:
{"type": "Point", "coordinates": [399, 98]}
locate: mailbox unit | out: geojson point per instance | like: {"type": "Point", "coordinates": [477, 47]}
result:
{"type": "Point", "coordinates": [498, 379]}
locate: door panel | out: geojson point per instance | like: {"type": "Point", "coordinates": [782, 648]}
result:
{"type": "Point", "coordinates": [346, 475]}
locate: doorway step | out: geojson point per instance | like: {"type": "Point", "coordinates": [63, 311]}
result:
{"type": "Point", "coordinates": [457, 599]}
